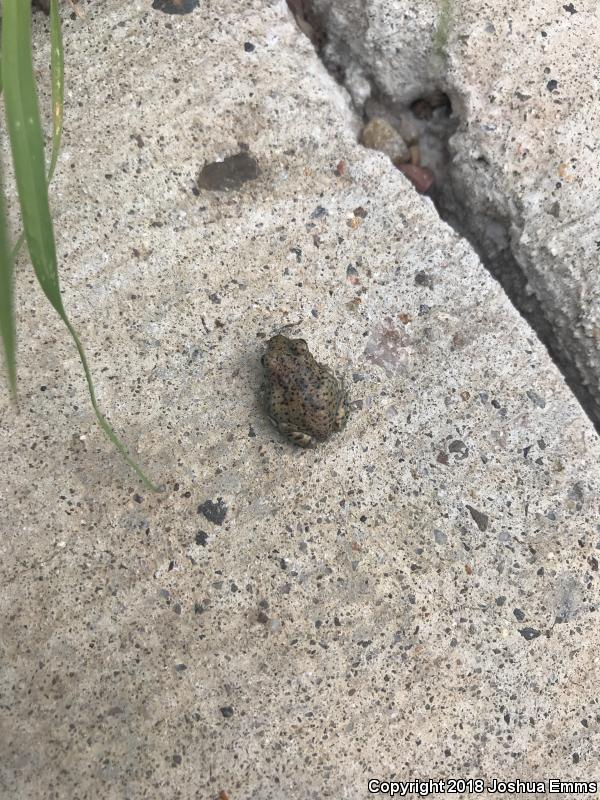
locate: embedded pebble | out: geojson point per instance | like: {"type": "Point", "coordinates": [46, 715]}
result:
{"type": "Point", "coordinates": [529, 633]}
{"type": "Point", "coordinates": [422, 178]}
{"type": "Point", "coordinates": [440, 537]}
{"type": "Point", "coordinates": [378, 134]}
{"type": "Point", "coordinates": [481, 519]}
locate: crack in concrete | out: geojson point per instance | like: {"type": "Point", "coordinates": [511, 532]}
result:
{"type": "Point", "coordinates": [427, 124]}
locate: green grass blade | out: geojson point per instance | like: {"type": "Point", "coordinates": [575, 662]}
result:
{"type": "Point", "coordinates": [100, 416]}
{"type": "Point", "coordinates": [7, 313]}
{"type": "Point", "coordinates": [27, 145]}
{"type": "Point", "coordinates": [25, 131]}
{"type": "Point", "coordinates": [57, 72]}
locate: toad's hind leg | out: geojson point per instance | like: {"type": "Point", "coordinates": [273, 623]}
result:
{"type": "Point", "coordinates": [300, 438]}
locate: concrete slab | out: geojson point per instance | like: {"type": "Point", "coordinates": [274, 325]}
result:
{"type": "Point", "coordinates": [415, 598]}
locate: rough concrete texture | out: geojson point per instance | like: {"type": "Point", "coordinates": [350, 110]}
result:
{"type": "Point", "coordinates": [415, 598]}
{"type": "Point", "coordinates": [524, 172]}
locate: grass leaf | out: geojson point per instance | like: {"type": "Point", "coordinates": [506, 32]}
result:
{"type": "Point", "coordinates": [27, 145]}
{"type": "Point", "coordinates": [57, 72]}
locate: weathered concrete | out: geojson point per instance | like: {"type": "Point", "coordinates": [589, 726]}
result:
{"type": "Point", "coordinates": [524, 175]}
{"type": "Point", "coordinates": [417, 597]}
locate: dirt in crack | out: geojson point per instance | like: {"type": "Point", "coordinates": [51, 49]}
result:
{"type": "Point", "coordinates": [415, 135]}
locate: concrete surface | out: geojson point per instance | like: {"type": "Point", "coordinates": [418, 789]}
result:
{"type": "Point", "coordinates": [416, 598]}
{"type": "Point", "coordinates": [524, 175]}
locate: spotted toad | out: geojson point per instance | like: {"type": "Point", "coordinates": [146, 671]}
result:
{"type": "Point", "coordinates": [303, 398]}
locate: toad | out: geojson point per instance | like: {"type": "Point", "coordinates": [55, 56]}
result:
{"type": "Point", "coordinates": [303, 399]}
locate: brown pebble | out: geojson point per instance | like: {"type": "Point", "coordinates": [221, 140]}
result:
{"type": "Point", "coordinates": [421, 177]}
{"type": "Point", "coordinates": [379, 134]}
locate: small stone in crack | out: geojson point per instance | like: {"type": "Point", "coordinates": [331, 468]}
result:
{"type": "Point", "coordinates": [379, 134]}
{"type": "Point", "coordinates": [421, 177]}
